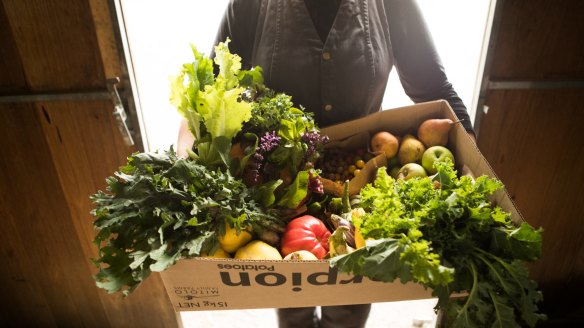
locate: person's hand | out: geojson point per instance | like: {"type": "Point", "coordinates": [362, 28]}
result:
{"type": "Point", "coordinates": [185, 140]}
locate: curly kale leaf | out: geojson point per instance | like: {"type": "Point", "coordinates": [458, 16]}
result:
{"type": "Point", "coordinates": [160, 209]}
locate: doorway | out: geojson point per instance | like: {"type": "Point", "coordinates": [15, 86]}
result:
{"type": "Point", "coordinates": [159, 36]}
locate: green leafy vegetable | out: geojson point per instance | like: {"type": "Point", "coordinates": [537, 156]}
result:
{"type": "Point", "coordinates": [272, 111]}
{"type": "Point", "coordinates": [270, 108]}
{"type": "Point", "coordinates": [379, 260]}
{"type": "Point", "coordinates": [297, 192]}
{"type": "Point", "coordinates": [444, 233]}
{"type": "Point", "coordinates": [161, 209]}
{"type": "Point", "coordinates": [213, 106]}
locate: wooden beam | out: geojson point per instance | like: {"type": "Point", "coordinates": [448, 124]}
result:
{"type": "Point", "coordinates": [39, 243]}
{"type": "Point", "coordinates": [106, 40]}
{"type": "Point", "coordinates": [540, 40]}
{"type": "Point", "coordinates": [12, 79]}
{"type": "Point", "coordinates": [57, 44]}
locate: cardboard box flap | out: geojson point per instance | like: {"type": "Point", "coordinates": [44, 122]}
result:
{"type": "Point", "coordinates": [401, 121]}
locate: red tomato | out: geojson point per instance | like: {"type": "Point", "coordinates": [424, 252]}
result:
{"type": "Point", "coordinates": [306, 233]}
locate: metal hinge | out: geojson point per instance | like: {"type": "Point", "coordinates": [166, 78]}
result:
{"type": "Point", "coordinates": [119, 112]}
{"type": "Point", "coordinates": [111, 93]}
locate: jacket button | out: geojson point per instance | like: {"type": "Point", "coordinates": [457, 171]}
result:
{"type": "Point", "coordinates": [326, 55]}
{"type": "Point", "coordinates": [328, 107]}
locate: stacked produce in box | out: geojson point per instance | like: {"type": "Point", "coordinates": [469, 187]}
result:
{"type": "Point", "coordinates": [261, 182]}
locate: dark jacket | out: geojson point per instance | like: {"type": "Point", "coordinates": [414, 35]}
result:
{"type": "Point", "coordinates": [345, 76]}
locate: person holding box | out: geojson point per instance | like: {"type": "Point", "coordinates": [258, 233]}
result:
{"type": "Point", "coordinates": [334, 58]}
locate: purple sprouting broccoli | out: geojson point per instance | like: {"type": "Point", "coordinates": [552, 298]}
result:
{"type": "Point", "coordinates": [268, 142]}
{"type": "Point", "coordinates": [313, 141]}
{"type": "Point", "coordinates": [256, 165]}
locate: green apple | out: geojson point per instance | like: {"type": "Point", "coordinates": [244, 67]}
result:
{"type": "Point", "coordinates": [434, 154]}
{"type": "Point", "coordinates": [411, 170]}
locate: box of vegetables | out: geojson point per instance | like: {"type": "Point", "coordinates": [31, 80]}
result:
{"type": "Point", "coordinates": [267, 210]}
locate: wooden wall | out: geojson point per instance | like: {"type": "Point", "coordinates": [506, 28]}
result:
{"type": "Point", "coordinates": [534, 139]}
{"type": "Point", "coordinates": [53, 155]}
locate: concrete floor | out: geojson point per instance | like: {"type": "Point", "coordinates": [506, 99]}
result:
{"type": "Point", "coordinates": [406, 314]}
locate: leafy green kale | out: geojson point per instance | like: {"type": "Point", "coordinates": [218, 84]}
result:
{"type": "Point", "coordinates": [443, 232]}
{"type": "Point", "coordinates": [160, 209]}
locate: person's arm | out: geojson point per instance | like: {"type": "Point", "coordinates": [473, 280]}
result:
{"type": "Point", "coordinates": [416, 60]}
{"type": "Point", "coordinates": [185, 139]}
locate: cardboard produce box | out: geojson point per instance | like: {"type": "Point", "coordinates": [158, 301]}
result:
{"type": "Point", "coordinates": [213, 284]}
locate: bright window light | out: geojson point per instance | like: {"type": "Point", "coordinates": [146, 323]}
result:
{"type": "Point", "coordinates": [159, 36]}
{"type": "Point", "coordinates": [458, 28]}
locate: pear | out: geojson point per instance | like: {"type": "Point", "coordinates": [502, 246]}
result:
{"type": "Point", "coordinates": [434, 132]}
{"type": "Point", "coordinates": [410, 150]}
{"type": "Point", "coordinates": [385, 142]}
